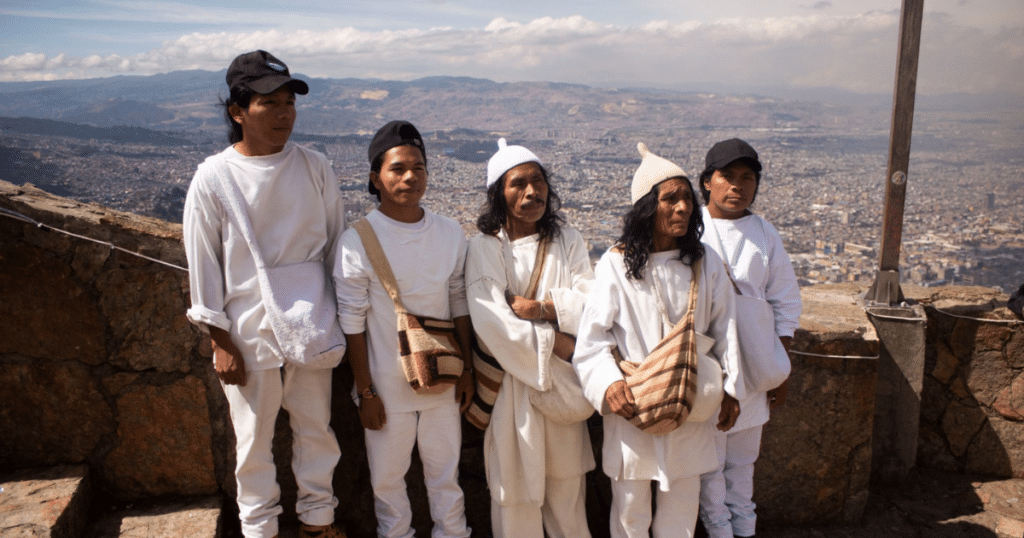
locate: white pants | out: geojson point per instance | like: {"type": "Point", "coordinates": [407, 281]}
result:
{"type": "Point", "coordinates": [563, 515]}
{"type": "Point", "coordinates": [437, 433]}
{"type": "Point", "coordinates": [306, 395]}
{"type": "Point", "coordinates": [726, 494]}
{"type": "Point", "coordinates": [675, 517]}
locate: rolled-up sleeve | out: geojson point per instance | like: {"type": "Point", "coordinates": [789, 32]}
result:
{"type": "Point", "coordinates": [201, 232]}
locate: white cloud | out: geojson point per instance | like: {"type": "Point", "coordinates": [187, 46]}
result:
{"type": "Point", "coordinates": [852, 52]}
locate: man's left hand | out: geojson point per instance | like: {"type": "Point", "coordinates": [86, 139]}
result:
{"type": "Point", "coordinates": [464, 390]}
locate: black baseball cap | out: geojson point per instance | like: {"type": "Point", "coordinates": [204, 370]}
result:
{"type": "Point", "coordinates": [725, 152]}
{"type": "Point", "coordinates": [393, 134]}
{"type": "Point", "coordinates": [262, 73]}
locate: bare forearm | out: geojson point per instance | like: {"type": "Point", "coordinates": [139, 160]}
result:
{"type": "Point", "coordinates": [359, 360]}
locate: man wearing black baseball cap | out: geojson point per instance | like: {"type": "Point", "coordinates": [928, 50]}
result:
{"type": "Point", "coordinates": [285, 199]}
{"type": "Point", "coordinates": [426, 252]}
{"type": "Point", "coordinates": [765, 283]}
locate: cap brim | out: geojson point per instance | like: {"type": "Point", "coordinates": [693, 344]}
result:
{"type": "Point", "coordinates": [271, 84]}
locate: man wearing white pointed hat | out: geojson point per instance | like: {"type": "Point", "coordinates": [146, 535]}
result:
{"type": "Point", "coordinates": [536, 464]}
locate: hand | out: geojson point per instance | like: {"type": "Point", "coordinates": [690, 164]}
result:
{"type": "Point", "coordinates": [729, 413]}
{"type": "Point", "coordinates": [565, 346]}
{"type": "Point", "coordinates": [777, 396]}
{"type": "Point", "coordinates": [464, 390]}
{"type": "Point", "coordinates": [620, 400]}
{"type": "Point", "coordinates": [228, 361]}
{"type": "Point", "coordinates": [524, 308]}
{"type": "Point", "coordinates": [371, 413]}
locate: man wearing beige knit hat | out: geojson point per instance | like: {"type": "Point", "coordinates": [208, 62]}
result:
{"type": "Point", "coordinates": [644, 288]}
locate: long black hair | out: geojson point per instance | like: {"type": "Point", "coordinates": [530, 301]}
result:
{"type": "Point", "coordinates": [241, 96]}
{"type": "Point", "coordinates": [637, 237]}
{"type": "Point", "coordinates": [494, 212]}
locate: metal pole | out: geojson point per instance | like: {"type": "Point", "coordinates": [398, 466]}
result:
{"type": "Point", "coordinates": [886, 288]}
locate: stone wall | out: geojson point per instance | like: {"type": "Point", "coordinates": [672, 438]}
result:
{"type": "Point", "coordinates": [98, 365]}
{"type": "Point", "coordinates": [972, 412]}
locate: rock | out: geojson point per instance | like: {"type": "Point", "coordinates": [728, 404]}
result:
{"type": "Point", "coordinates": [47, 503]}
{"type": "Point", "coordinates": [164, 442]}
{"type": "Point", "coordinates": [1015, 350]}
{"type": "Point", "coordinates": [991, 337]}
{"type": "Point", "coordinates": [993, 450]}
{"type": "Point", "coordinates": [52, 412]}
{"type": "Point", "coordinates": [945, 364]}
{"type": "Point", "coordinates": [821, 439]}
{"type": "Point", "coordinates": [986, 375]}
{"type": "Point", "coordinates": [1010, 402]}
{"type": "Point", "coordinates": [961, 423]}
{"type": "Point", "coordinates": [56, 316]}
{"type": "Point", "coordinates": [194, 519]}
{"type": "Point", "coordinates": [146, 312]}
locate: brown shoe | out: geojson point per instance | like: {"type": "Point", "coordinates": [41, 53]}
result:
{"type": "Point", "coordinates": [329, 532]}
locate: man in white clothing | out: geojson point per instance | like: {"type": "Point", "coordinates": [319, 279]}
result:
{"type": "Point", "coordinates": [427, 253]}
{"type": "Point", "coordinates": [761, 270]}
{"type": "Point", "coordinates": [535, 465]}
{"type": "Point", "coordinates": [294, 206]}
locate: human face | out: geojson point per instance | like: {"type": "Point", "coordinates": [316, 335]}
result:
{"type": "Point", "coordinates": [731, 190]}
{"type": "Point", "coordinates": [672, 217]}
{"type": "Point", "coordinates": [526, 197]}
{"type": "Point", "coordinates": [402, 179]}
{"type": "Point", "coordinates": [267, 123]}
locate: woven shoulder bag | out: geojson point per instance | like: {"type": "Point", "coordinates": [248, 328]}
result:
{"type": "Point", "coordinates": [428, 347]}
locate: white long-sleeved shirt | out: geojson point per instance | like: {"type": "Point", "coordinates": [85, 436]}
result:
{"type": "Point", "coordinates": [294, 204]}
{"type": "Point", "coordinates": [625, 314]}
{"type": "Point", "coordinates": [427, 259]}
{"type": "Point", "coordinates": [760, 265]}
{"type": "Point", "coordinates": [521, 445]}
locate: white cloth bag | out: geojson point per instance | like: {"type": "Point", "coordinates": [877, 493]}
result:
{"type": "Point", "coordinates": [764, 360]}
{"type": "Point", "coordinates": [298, 297]}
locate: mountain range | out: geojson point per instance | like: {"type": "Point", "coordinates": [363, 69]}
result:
{"type": "Point", "coordinates": [187, 102]}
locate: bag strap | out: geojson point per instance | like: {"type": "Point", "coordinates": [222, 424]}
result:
{"type": "Point", "coordinates": [690, 308]}
{"type": "Point", "coordinates": [708, 219]}
{"type": "Point", "coordinates": [379, 261]}
{"type": "Point", "coordinates": [230, 196]}
{"type": "Point", "coordinates": [538, 268]}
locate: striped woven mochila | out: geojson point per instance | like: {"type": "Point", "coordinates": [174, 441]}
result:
{"type": "Point", "coordinates": [664, 385]}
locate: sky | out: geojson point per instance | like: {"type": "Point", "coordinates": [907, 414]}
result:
{"type": "Point", "coordinates": [970, 46]}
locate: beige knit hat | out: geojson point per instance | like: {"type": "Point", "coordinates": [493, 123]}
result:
{"type": "Point", "coordinates": [652, 170]}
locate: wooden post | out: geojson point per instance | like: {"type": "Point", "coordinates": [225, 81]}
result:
{"type": "Point", "coordinates": [886, 288]}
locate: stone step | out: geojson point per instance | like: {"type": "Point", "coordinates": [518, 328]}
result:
{"type": "Point", "coordinates": [50, 502]}
{"type": "Point", "coordinates": [195, 518]}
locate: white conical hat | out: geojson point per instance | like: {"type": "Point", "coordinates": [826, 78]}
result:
{"type": "Point", "coordinates": [652, 170]}
{"type": "Point", "coordinates": [507, 158]}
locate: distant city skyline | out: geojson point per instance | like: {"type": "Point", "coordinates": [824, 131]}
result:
{"type": "Point", "coordinates": [970, 46]}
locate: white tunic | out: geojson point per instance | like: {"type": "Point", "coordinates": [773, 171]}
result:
{"type": "Point", "coordinates": [295, 206]}
{"type": "Point", "coordinates": [625, 313]}
{"type": "Point", "coordinates": [761, 267]}
{"type": "Point", "coordinates": [427, 259]}
{"type": "Point", "coordinates": [521, 446]}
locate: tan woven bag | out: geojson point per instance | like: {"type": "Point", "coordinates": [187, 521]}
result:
{"type": "Point", "coordinates": [428, 347]}
{"type": "Point", "coordinates": [677, 382]}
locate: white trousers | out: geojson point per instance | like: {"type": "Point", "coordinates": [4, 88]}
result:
{"type": "Point", "coordinates": [437, 433]}
{"type": "Point", "coordinates": [726, 494]}
{"type": "Point", "coordinates": [675, 517]}
{"type": "Point", "coordinates": [563, 515]}
{"type": "Point", "coordinates": [306, 395]}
